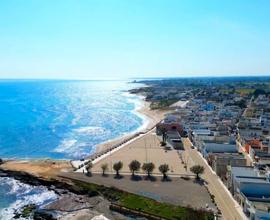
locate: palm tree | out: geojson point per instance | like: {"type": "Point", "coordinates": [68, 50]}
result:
{"type": "Point", "coordinates": [197, 169]}
{"type": "Point", "coordinates": [104, 168]}
{"type": "Point", "coordinates": [164, 168]}
{"type": "Point", "coordinates": [88, 168]}
{"type": "Point", "coordinates": [134, 166]}
{"type": "Point", "coordinates": [148, 168]}
{"type": "Point", "coordinates": [117, 167]}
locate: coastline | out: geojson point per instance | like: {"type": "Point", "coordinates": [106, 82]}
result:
{"type": "Point", "coordinates": [75, 203]}
{"type": "Point", "coordinates": [150, 117]}
{"type": "Point", "coordinates": [72, 202]}
{"type": "Point", "coordinates": [49, 169]}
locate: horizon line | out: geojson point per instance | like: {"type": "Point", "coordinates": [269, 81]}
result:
{"type": "Point", "coordinates": [136, 78]}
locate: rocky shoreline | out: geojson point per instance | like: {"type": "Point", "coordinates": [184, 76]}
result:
{"type": "Point", "coordinates": [72, 202]}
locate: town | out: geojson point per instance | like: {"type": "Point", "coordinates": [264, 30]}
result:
{"type": "Point", "coordinates": [135, 110]}
{"type": "Point", "coordinates": [204, 154]}
{"type": "Point", "coordinates": [228, 123]}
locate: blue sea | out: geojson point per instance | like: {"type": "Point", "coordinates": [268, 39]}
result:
{"type": "Point", "coordinates": [59, 120]}
{"type": "Point", "coordinates": [63, 119]}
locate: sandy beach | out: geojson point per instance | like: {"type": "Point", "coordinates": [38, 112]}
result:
{"type": "Point", "coordinates": [152, 117]}
{"type": "Point", "coordinates": [49, 168]}
{"type": "Point", "coordinates": [104, 150]}
{"type": "Point", "coordinates": [46, 168]}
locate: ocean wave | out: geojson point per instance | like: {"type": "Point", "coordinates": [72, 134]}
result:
{"type": "Point", "coordinates": [73, 148]}
{"type": "Point", "coordinates": [137, 100]}
{"type": "Point", "coordinates": [134, 99]}
{"type": "Point", "coordinates": [90, 130]}
{"type": "Point", "coordinates": [80, 142]}
{"type": "Point", "coordinates": [65, 146]}
{"type": "Point", "coordinates": [71, 119]}
{"type": "Point", "coordinates": [21, 195]}
{"type": "Point", "coordinates": [76, 119]}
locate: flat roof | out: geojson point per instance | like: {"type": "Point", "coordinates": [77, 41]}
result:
{"type": "Point", "coordinates": [250, 179]}
{"type": "Point", "coordinates": [202, 131]}
{"type": "Point", "coordinates": [244, 171]}
{"type": "Point", "coordinates": [219, 148]}
{"type": "Point", "coordinates": [263, 206]}
{"type": "Point", "coordinates": [234, 155]}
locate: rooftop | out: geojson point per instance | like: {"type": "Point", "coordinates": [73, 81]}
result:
{"type": "Point", "coordinates": [262, 205]}
{"type": "Point", "coordinates": [230, 155]}
{"type": "Point", "coordinates": [245, 171]}
{"type": "Point", "coordinates": [202, 131]}
{"type": "Point", "coordinates": [220, 148]}
{"type": "Point", "coordinates": [251, 179]}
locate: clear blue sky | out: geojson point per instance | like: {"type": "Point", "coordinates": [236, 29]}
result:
{"type": "Point", "coordinates": [133, 38]}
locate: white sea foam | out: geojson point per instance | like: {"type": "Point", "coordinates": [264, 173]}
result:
{"type": "Point", "coordinates": [73, 148]}
{"type": "Point", "coordinates": [23, 195]}
{"type": "Point", "coordinates": [137, 100]}
{"type": "Point", "coordinates": [100, 217]}
{"type": "Point", "coordinates": [81, 141]}
{"type": "Point", "coordinates": [65, 116]}
{"type": "Point", "coordinates": [66, 145]}
{"type": "Point", "coordinates": [90, 130]}
{"type": "Point", "coordinates": [76, 119]}
{"type": "Point", "coordinates": [76, 143]}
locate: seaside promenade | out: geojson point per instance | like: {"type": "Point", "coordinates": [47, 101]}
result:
{"type": "Point", "coordinates": [145, 148]}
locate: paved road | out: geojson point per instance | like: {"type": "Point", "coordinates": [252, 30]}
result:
{"type": "Point", "coordinates": [229, 208]}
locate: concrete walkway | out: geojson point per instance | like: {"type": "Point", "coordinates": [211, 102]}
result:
{"type": "Point", "coordinates": [145, 148]}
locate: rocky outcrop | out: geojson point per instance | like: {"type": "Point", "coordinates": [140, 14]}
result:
{"type": "Point", "coordinates": [59, 187]}
{"type": "Point", "coordinates": [72, 201]}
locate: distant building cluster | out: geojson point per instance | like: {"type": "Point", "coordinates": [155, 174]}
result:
{"type": "Point", "coordinates": [228, 122]}
{"type": "Point", "coordinates": [234, 140]}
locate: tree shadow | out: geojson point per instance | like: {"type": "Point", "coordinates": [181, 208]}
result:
{"type": "Point", "coordinates": [166, 179]}
{"type": "Point", "coordinates": [88, 174]}
{"type": "Point", "coordinates": [150, 178]}
{"type": "Point", "coordinates": [198, 181]}
{"type": "Point", "coordinates": [118, 177]}
{"type": "Point", "coordinates": [136, 178]}
{"type": "Point", "coordinates": [187, 178]}
{"type": "Point", "coordinates": [105, 175]}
